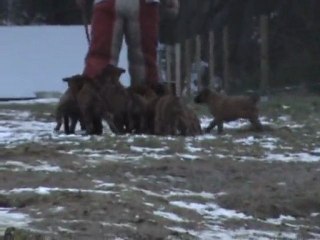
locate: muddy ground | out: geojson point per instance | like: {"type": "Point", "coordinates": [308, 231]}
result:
{"type": "Point", "coordinates": [240, 185]}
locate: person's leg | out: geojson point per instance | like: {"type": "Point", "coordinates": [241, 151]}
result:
{"type": "Point", "coordinates": [106, 38]}
{"type": "Point", "coordinates": [149, 27]}
{"type": "Point", "coordinates": [141, 34]}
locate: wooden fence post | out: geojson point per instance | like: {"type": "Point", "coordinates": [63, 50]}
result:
{"type": "Point", "coordinates": [211, 58]}
{"type": "Point", "coordinates": [177, 54]}
{"type": "Point", "coordinates": [226, 64]}
{"type": "Point", "coordinates": [264, 56]}
{"type": "Point", "coordinates": [198, 61]}
{"type": "Point", "coordinates": [188, 66]}
{"type": "Point", "coordinates": [168, 66]}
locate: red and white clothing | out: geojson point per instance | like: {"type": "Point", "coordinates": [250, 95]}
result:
{"type": "Point", "coordinates": [137, 22]}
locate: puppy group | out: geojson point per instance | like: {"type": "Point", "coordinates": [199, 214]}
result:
{"type": "Point", "coordinates": [142, 109]}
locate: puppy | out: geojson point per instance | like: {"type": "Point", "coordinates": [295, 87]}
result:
{"type": "Point", "coordinates": [117, 101]}
{"type": "Point", "coordinates": [144, 91]}
{"type": "Point", "coordinates": [104, 97]}
{"type": "Point", "coordinates": [147, 98]}
{"type": "Point", "coordinates": [189, 124]}
{"type": "Point", "coordinates": [168, 111]}
{"type": "Point", "coordinates": [137, 113]}
{"type": "Point", "coordinates": [68, 108]}
{"type": "Point", "coordinates": [229, 108]}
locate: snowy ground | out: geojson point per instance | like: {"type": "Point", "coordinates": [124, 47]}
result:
{"type": "Point", "coordinates": [240, 185]}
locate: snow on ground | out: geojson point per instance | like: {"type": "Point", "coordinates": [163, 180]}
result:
{"type": "Point", "coordinates": [36, 58]}
{"type": "Point", "coordinates": [22, 129]}
{"type": "Point", "coordinates": [42, 166]}
{"type": "Point", "coordinates": [10, 218]}
{"type": "Point", "coordinates": [46, 190]}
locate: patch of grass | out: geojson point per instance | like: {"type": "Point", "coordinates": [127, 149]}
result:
{"type": "Point", "coordinates": [296, 106]}
{"type": "Point", "coordinates": [46, 94]}
{"type": "Point", "coordinates": [150, 141]}
{"type": "Point", "coordinates": [19, 234]}
{"type": "Point", "coordinates": [36, 107]}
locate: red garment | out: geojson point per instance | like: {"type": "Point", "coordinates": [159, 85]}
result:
{"type": "Point", "coordinates": [136, 21]}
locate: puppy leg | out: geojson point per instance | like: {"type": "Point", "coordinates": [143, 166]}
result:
{"type": "Point", "coordinates": [82, 124]}
{"type": "Point", "coordinates": [58, 119]}
{"type": "Point", "coordinates": [171, 131]}
{"type": "Point", "coordinates": [133, 124]}
{"type": "Point", "coordinates": [157, 124]}
{"type": "Point", "coordinates": [73, 125]}
{"type": "Point", "coordinates": [97, 126]}
{"type": "Point", "coordinates": [142, 125]}
{"type": "Point", "coordinates": [220, 127]}
{"type": "Point", "coordinates": [90, 123]}
{"type": "Point", "coordinates": [58, 126]}
{"type": "Point", "coordinates": [66, 124]}
{"type": "Point", "coordinates": [110, 120]}
{"type": "Point", "coordinates": [256, 124]}
{"type": "Point", "coordinates": [90, 128]}
{"type": "Point", "coordinates": [91, 118]}
{"type": "Point", "coordinates": [157, 128]}
{"type": "Point", "coordinates": [183, 126]}
{"type": "Point", "coordinates": [196, 127]}
{"type": "Point", "coordinates": [212, 124]}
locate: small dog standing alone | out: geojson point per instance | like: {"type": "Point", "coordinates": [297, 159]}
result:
{"type": "Point", "coordinates": [229, 108]}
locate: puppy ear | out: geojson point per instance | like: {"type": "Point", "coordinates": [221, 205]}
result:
{"type": "Point", "coordinates": [120, 71]}
{"type": "Point", "coordinates": [113, 70]}
{"type": "Point", "coordinates": [78, 77]}
{"type": "Point", "coordinates": [66, 79]}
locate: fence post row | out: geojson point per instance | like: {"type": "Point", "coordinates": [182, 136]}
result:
{"type": "Point", "coordinates": [195, 44]}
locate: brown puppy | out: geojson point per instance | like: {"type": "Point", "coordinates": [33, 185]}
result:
{"type": "Point", "coordinates": [127, 107]}
{"type": "Point", "coordinates": [168, 111]}
{"type": "Point", "coordinates": [148, 98]}
{"type": "Point", "coordinates": [92, 114]}
{"type": "Point", "coordinates": [137, 112]}
{"type": "Point", "coordinates": [189, 124]}
{"type": "Point", "coordinates": [103, 98]}
{"type": "Point", "coordinates": [68, 108]}
{"type": "Point", "coordinates": [143, 90]}
{"type": "Point", "coordinates": [229, 108]}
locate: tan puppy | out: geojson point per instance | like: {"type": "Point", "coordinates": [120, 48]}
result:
{"type": "Point", "coordinates": [68, 108]}
{"type": "Point", "coordinates": [150, 97]}
{"type": "Point", "coordinates": [229, 108]}
{"type": "Point", "coordinates": [137, 113]}
{"type": "Point", "coordinates": [167, 113]}
{"type": "Point", "coordinates": [189, 124]}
